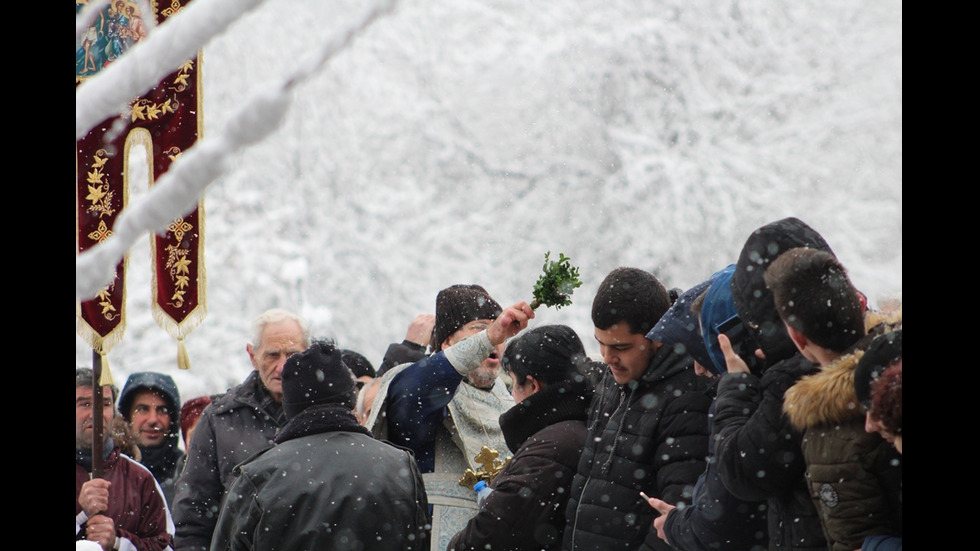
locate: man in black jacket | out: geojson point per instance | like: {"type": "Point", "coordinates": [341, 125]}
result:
{"type": "Point", "coordinates": [327, 483]}
{"type": "Point", "coordinates": [757, 449]}
{"type": "Point", "coordinates": [647, 426]}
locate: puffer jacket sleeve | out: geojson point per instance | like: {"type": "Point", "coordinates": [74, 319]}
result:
{"type": "Point", "coordinates": [682, 446]}
{"type": "Point", "coordinates": [850, 484]}
{"type": "Point", "coordinates": [754, 436]}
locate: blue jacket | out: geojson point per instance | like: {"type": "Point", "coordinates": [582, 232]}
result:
{"type": "Point", "coordinates": [417, 400]}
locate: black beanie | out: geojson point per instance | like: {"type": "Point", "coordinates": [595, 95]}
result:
{"type": "Point", "coordinates": [549, 353]}
{"type": "Point", "coordinates": [882, 350]}
{"type": "Point", "coordinates": [317, 376]}
{"type": "Point", "coordinates": [458, 305]}
{"type": "Point", "coordinates": [357, 363]}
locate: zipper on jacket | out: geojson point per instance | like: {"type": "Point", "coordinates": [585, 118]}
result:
{"type": "Point", "coordinates": [623, 401]}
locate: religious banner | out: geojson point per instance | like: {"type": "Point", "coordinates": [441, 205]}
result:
{"type": "Point", "coordinates": [164, 122]}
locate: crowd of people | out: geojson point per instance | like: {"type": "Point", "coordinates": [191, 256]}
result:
{"type": "Point", "coordinates": [758, 410]}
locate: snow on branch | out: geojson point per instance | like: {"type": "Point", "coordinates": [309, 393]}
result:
{"type": "Point", "coordinates": [175, 41]}
{"type": "Point", "coordinates": [177, 191]}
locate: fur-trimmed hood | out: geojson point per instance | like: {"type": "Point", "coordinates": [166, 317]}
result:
{"type": "Point", "coordinates": [828, 397]}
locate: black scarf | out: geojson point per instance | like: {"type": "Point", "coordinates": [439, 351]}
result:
{"type": "Point", "coordinates": [161, 460]}
{"type": "Point", "coordinates": [564, 401]}
{"type": "Point", "coordinates": [318, 419]}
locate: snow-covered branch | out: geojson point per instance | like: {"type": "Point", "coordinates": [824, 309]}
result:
{"type": "Point", "coordinates": [179, 189]}
{"type": "Point", "coordinates": [175, 41]}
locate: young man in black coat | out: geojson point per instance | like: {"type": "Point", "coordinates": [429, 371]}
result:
{"type": "Point", "coordinates": [647, 426]}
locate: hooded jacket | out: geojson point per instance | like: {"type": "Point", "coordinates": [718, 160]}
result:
{"type": "Point", "coordinates": [161, 460]}
{"type": "Point", "coordinates": [753, 299]}
{"type": "Point", "coordinates": [716, 519]}
{"type": "Point", "coordinates": [751, 434]}
{"type": "Point", "coordinates": [648, 435]}
{"type": "Point", "coordinates": [236, 426]}
{"type": "Point", "coordinates": [854, 477]}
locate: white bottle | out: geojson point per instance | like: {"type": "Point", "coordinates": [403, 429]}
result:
{"type": "Point", "coordinates": [482, 491]}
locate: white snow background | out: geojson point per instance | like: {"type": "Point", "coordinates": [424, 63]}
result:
{"type": "Point", "coordinates": [457, 141]}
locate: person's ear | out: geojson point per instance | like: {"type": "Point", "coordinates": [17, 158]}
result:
{"type": "Point", "coordinates": [533, 384]}
{"type": "Point", "coordinates": [798, 338]}
{"type": "Point", "coordinates": [864, 300]}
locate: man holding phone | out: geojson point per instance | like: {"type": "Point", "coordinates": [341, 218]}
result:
{"type": "Point", "coordinates": [751, 434]}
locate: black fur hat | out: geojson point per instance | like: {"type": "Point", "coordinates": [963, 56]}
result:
{"type": "Point", "coordinates": [458, 305]}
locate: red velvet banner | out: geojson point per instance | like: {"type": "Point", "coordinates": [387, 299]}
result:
{"type": "Point", "coordinates": [166, 121]}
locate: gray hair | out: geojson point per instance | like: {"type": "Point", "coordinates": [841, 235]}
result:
{"type": "Point", "coordinates": [84, 377]}
{"type": "Point", "coordinates": [275, 315]}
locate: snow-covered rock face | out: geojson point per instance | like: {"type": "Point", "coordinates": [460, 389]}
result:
{"type": "Point", "coordinates": [458, 142]}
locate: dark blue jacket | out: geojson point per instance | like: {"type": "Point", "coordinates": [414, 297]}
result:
{"type": "Point", "coordinates": [716, 520]}
{"type": "Point", "coordinates": [417, 399]}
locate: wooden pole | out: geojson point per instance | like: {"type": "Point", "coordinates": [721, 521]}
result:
{"type": "Point", "coordinates": [98, 430]}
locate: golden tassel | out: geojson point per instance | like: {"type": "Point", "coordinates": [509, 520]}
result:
{"type": "Point", "coordinates": [183, 358]}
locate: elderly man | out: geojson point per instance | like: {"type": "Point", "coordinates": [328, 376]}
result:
{"type": "Point", "coordinates": [236, 426]}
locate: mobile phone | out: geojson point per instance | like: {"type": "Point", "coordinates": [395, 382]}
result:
{"type": "Point", "coordinates": [742, 342]}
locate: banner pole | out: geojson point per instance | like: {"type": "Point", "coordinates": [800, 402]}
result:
{"type": "Point", "coordinates": [98, 430]}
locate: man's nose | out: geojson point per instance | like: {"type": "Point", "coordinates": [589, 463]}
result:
{"type": "Point", "coordinates": [281, 364]}
{"type": "Point", "coordinates": [870, 423]}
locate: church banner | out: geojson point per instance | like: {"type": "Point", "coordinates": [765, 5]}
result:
{"type": "Point", "coordinates": [163, 123]}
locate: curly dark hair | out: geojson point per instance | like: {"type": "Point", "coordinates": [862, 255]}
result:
{"type": "Point", "coordinates": [886, 398]}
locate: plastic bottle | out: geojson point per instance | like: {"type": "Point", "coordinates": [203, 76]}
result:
{"type": "Point", "coordinates": [482, 491]}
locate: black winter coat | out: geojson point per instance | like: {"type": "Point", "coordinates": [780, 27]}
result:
{"type": "Point", "coordinates": [649, 435]}
{"type": "Point", "coordinates": [717, 520]}
{"type": "Point", "coordinates": [759, 454]}
{"type": "Point", "coordinates": [405, 352]}
{"type": "Point", "coordinates": [327, 484]}
{"type": "Point", "coordinates": [234, 427]}
{"type": "Point", "coordinates": [526, 510]}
